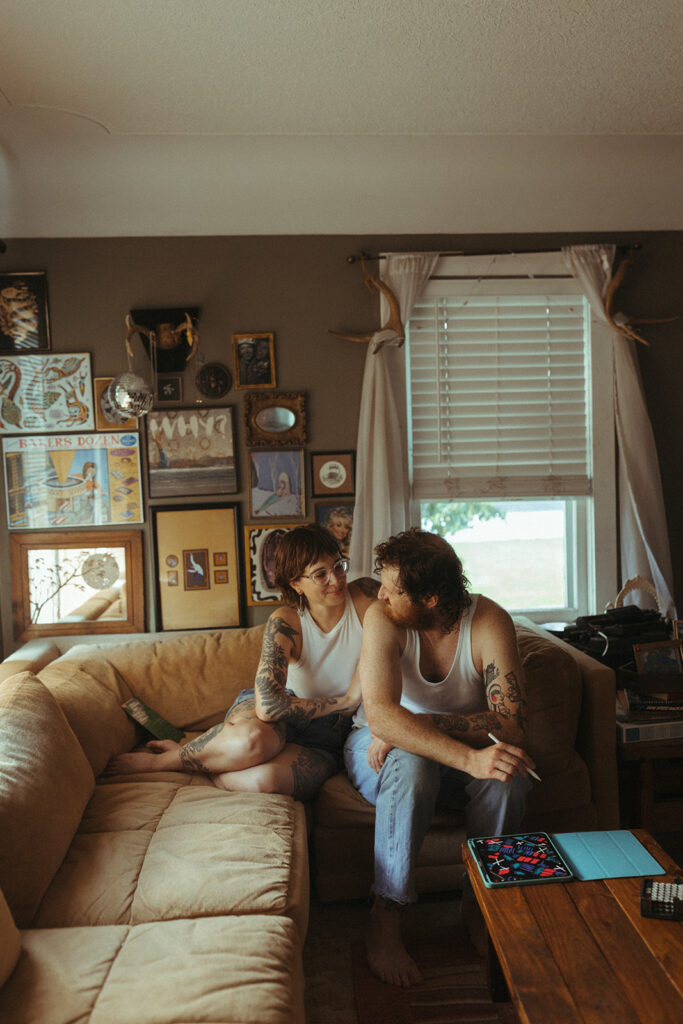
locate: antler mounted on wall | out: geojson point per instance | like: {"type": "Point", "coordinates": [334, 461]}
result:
{"type": "Point", "coordinates": [391, 330]}
{"type": "Point", "coordinates": [618, 321]}
{"type": "Point", "coordinates": [170, 336]}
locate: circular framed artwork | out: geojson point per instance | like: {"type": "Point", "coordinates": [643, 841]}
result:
{"type": "Point", "coordinates": [100, 571]}
{"type": "Point", "coordinates": [214, 380]}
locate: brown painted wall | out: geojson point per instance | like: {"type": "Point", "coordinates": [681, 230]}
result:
{"type": "Point", "coordinates": [299, 287]}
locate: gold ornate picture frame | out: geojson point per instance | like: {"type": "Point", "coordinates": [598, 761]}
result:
{"type": "Point", "coordinates": [275, 419]}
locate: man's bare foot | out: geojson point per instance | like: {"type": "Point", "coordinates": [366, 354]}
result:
{"type": "Point", "coordinates": [388, 958]}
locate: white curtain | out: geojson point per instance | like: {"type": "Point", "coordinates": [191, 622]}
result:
{"type": "Point", "coordinates": [382, 483]}
{"type": "Point", "coordinates": [643, 531]}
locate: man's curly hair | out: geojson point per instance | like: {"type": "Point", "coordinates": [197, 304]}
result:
{"type": "Point", "coordinates": [427, 566]}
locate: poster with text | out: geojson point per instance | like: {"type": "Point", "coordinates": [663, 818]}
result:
{"type": "Point", "coordinates": [72, 480]}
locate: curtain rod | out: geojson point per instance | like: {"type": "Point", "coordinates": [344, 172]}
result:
{"type": "Point", "coordinates": [356, 257]}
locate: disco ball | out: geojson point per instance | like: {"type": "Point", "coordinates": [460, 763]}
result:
{"type": "Point", "coordinates": [130, 395]}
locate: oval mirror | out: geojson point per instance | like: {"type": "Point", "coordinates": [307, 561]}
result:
{"type": "Point", "coordinates": [275, 419]}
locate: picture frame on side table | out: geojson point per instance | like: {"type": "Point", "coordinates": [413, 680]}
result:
{"type": "Point", "coordinates": [191, 451]}
{"type": "Point", "coordinates": [276, 486]}
{"type": "Point", "coordinates": [661, 656]}
{"type": "Point", "coordinates": [88, 581]}
{"type": "Point", "coordinates": [198, 574]}
{"type": "Point", "coordinates": [333, 473]}
{"type": "Point", "coordinates": [72, 481]}
{"type": "Point", "coordinates": [259, 548]}
{"type": "Point", "coordinates": [24, 315]}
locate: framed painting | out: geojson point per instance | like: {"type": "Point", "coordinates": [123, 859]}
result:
{"type": "Point", "coordinates": [337, 517]}
{"type": "Point", "coordinates": [275, 419]}
{"type": "Point", "coordinates": [191, 451]}
{"type": "Point", "coordinates": [88, 581]}
{"type": "Point", "coordinates": [661, 656]}
{"type": "Point", "coordinates": [43, 394]}
{"type": "Point", "coordinates": [72, 480]}
{"type": "Point", "coordinates": [100, 385]}
{"type": "Point", "coordinates": [169, 388]}
{"type": "Point", "coordinates": [254, 356]}
{"type": "Point", "coordinates": [260, 543]}
{"type": "Point", "coordinates": [276, 483]}
{"type": "Point", "coordinates": [24, 318]}
{"type": "Point", "coordinates": [333, 473]}
{"type": "Point", "coordinates": [198, 577]}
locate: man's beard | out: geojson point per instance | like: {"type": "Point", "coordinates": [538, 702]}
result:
{"type": "Point", "coordinates": [416, 617]}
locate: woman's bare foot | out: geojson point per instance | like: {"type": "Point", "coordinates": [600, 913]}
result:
{"type": "Point", "coordinates": [388, 958]}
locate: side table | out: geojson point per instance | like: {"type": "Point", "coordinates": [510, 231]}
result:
{"type": "Point", "coordinates": [657, 810]}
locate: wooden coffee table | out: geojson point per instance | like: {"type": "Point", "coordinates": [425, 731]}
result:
{"type": "Point", "coordinates": [581, 952]}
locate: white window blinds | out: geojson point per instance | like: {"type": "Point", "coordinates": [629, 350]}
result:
{"type": "Point", "coordinates": [499, 390]}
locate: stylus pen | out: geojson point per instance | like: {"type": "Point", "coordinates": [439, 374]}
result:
{"type": "Point", "coordinates": [529, 770]}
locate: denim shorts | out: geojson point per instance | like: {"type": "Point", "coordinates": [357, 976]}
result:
{"type": "Point", "coordinates": [326, 734]}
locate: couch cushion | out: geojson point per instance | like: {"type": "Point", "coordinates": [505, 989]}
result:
{"type": "Point", "coordinates": [553, 681]}
{"type": "Point", "coordinates": [10, 941]}
{"type": "Point", "coordinates": [163, 851]}
{"type": "Point", "coordinates": [45, 783]}
{"type": "Point", "coordinates": [216, 970]}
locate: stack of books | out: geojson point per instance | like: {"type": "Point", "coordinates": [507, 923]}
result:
{"type": "Point", "coordinates": [650, 702]}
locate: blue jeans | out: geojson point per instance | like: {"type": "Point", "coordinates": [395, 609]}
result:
{"type": "Point", "coordinates": [406, 792]}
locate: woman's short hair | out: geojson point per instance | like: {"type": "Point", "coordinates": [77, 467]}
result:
{"type": "Point", "coordinates": [427, 566]}
{"type": "Point", "coordinates": [296, 550]}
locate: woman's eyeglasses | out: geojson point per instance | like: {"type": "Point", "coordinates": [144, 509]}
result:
{"type": "Point", "coordinates": [321, 577]}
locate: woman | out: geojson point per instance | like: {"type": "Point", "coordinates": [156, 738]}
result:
{"type": "Point", "coordinates": [287, 734]}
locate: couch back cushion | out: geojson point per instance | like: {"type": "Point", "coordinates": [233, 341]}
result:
{"type": "Point", "coordinates": [190, 680]}
{"type": "Point", "coordinates": [45, 784]}
{"type": "Point", "coordinates": [10, 941]}
{"type": "Point", "coordinates": [553, 680]}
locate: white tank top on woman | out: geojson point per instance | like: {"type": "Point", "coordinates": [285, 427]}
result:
{"type": "Point", "coordinates": [327, 660]}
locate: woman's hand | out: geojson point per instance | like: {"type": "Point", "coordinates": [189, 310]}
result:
{"type": "Point", "coordinates": [377, 752]}
{"type": "Point", "coordinates": [352, 698]}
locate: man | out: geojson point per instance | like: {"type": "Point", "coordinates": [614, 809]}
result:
{"type": "Point", "coordinates": [440, 670]}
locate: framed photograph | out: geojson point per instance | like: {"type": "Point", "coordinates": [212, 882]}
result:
{"type": "Point", "coordinates": [333, 473]}
{"type": "Point", "coordinates": [275, 419]}
{"type": "Point", "coordinates": [46, 394]}
{"type": "Point", "coordinates": [72, 480]}
{"type": "Point", "coordinates": [100, 385]}
{"type": "Point", "coordinates": [276, 487]}
{"type": "Point", "coordinates": [677, 625]}
{"type": "Point", "coordinates": [260, 543]}
{"type": "Point", "coordinates": [169, 388]}
{"type": "Point", "coordinates": [24, 319]}
{"type": "Point", "coordinates": [186, 540]}
{"type": "Point", "coordinates": [89, 581]}
{"type": "Point", "coordinates": [337, 517]}
{"type": "Point", "coordinates": [191, 451]}
{"type": "Point", "coordinates": [254, 356]}
{"type": "Point", "coordinates": [661, 656]}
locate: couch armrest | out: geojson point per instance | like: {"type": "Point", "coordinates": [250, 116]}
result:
{"type": "Point", "coordinates": [596, 738]}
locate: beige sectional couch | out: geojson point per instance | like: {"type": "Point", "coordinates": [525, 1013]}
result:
{"type": "Point", "coordinates": [158, 899]}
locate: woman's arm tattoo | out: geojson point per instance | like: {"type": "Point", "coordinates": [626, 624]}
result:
{"type": "Point", "coordinates": [271, 679]}
{"type": "Point", "coordinates": [368, 586]}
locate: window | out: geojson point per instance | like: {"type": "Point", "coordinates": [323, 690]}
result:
{"type": "Point", "coordinates": [510, 431]}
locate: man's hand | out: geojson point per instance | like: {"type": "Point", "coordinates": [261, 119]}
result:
{"type": "Point", "coordinates": [377, 752]}
{"type": "Point", "coordinates": [499, 761]}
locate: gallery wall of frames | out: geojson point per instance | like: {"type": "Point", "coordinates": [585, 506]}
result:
{"type": "Point", "coordinates": [88, 460]}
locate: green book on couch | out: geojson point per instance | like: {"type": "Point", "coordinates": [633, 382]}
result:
{"type": "Point", "coordinates": [151, 720]}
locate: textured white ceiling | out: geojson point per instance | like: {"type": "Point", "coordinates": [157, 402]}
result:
{"type": "Point", "coordinates": [102, 89]}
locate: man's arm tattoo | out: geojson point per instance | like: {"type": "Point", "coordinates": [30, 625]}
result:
{"type": "Point", "coordinates": [506, 696]}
